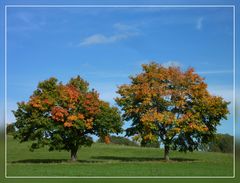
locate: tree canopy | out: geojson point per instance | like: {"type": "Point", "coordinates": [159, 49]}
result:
{"type": "Point", "coordinates": [63, 116]}
{"type": "Point", "coordinates": [171, 105]}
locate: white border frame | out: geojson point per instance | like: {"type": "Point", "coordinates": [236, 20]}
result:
{"type": "Point", "coordinates": [121, 6]}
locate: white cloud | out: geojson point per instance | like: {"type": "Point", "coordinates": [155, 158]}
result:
{"type": "Point", "coordinates": [199, 23]}
{"type": "Point", "coordinates": [125, 27]}
{"type": "Point", "coordinates": [123, 32]}
{"type": "Point", "coordinates": [94, 39]}
{"type": "Point", "coordinates": [171, 63]}
{"type": "Point", "coordinates": [102, 39]}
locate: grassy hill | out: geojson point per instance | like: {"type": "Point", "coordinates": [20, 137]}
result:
{"type": "Point", "coordinates": [114, 160]}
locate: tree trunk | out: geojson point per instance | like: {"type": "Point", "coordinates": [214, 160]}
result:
{"type": "Point", "coordinates": [74, 154]}
{"type": "Point", "coordinates": [166, 152]}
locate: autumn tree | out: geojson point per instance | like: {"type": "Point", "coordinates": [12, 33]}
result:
{"type": "Point", "coordinates": [171, 105]}
{"type": "Point", "coordinates": [63, 116]}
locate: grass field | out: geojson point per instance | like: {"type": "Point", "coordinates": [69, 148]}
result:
{"type": "Point", "coordinates": [114, 160]}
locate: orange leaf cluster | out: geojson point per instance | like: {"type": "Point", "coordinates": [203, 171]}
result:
{"type": "Point", "coordinates": [89, 123]}
{"type": "Point", "coordinates": [198, 127]}
{"type": "Point", "coordinates": [36, 102]}
{"type": "Point", "coordinates": [91, 103]}
{"type": "Point", "coordinates": [72, 118]}
{"type": "Point", "coordinates": [58, 113]}
{"type": "Point", "coordinates": [68, 124]}
{"type": "Point", "coordinates": [152, 116]}
{"type": "Point", "coordinates": [47, 102]}
{"type": "Point", "coordinates": [80, 116]}
{"type": "Point", "coordinates": [70, 94]}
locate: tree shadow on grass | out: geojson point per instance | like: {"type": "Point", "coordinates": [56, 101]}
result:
{"type": "Point", "coordinates": [129, 159]}
{"type": "Point", "coordinates": [54, 161]}
{"type": "Point", "coordinates": [100, 159]}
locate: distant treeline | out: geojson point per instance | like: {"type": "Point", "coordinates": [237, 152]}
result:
{"type": "Point", "coordinates": [125, 141]}
{"type": "Point", "coordinates": [119, 140]}
{"type": "Point", "coordinates": [221, 143]}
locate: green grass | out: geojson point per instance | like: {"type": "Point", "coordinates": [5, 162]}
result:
{"type": "Point", "coordinates": [114, 160]}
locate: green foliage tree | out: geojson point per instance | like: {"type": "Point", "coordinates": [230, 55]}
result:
{"type": "Point", "coordinates": [172, 105]}
{"type": "Point", "coordinates": [63, 116]}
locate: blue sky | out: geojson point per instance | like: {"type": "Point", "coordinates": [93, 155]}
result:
{"type": "Point", "coordinates": [106, 45]}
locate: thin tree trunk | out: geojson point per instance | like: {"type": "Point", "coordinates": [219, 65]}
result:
{"type": "Point", "coordinates": [74, 155]}
{"type": "Point", "coordinates": [166, 152]}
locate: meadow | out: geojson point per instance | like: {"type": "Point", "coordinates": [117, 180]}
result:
{"type": "Point", "coordinates": [114, 160]}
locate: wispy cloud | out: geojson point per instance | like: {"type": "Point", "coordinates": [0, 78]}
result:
{"type": "Point", "coordinates": [171, 63]}
{"type": "Point", "coordinates": [216, 72]}
{"type": "Point", "coordinates": [199, 23]}
{"type": "Point", "coordinates": [125, 27]}
{"type": "Point", "coordinates": [123, 32]}
{"type": "Point", "coordinates": [102, 39]}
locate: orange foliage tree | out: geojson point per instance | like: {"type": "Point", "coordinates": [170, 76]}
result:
{"type": "Point", "coordinates": [64, 116]}
{"type": "Point", "coordinates": [172, 106]}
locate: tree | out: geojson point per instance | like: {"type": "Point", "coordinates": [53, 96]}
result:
{"type": "Point", "coordinates": [173, 105]}
{"type": "Point", "coordinates": [63, 116]}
